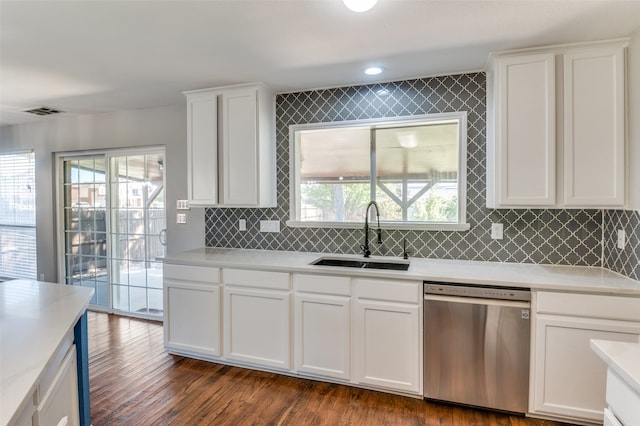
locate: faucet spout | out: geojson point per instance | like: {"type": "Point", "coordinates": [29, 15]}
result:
{"type": "Point", "coordinates": [365, 247]}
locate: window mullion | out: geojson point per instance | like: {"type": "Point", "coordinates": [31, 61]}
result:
{"type": "Point", "coordinates": [374, 174]}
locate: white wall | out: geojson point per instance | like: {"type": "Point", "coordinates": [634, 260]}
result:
{"type": "Point", "coordinates": [633, 114]}
{"type": "Point", "coordinates": [162, 126]}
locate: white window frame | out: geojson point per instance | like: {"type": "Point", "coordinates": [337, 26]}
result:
{"type": "Point", "coordinates": [461, 225]}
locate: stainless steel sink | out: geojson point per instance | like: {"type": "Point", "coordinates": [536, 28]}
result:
{"type": "Point", "coordinates": [368, 264]}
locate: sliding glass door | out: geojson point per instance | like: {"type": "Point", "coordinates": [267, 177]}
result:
{"type": "Point", "coordinates": [114, 222]}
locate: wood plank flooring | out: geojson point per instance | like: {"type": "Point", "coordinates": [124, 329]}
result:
{"type": "Point", "coordinates": [134, 381]}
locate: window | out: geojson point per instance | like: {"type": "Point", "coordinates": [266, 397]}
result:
{"type": "Point", "coordinates": [414, 168]}
{"type": "Point", "coordinates": [18, 216]}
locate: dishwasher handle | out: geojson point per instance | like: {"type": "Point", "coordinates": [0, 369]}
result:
{"type": "Point", "coordinates": [478, 301]}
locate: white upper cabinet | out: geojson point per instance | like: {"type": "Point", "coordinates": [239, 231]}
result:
{"type": "Point", "coordinates": [556, 128]}
{"type": "Point", "coordinates": [594, 134]}
{"type": "Point", "coordinates": [522, 156]}
{"type": "Point", "coordinates": [231, 146]}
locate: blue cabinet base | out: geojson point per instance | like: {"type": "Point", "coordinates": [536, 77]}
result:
{"type": "Point", "coordinates": [81, 340]}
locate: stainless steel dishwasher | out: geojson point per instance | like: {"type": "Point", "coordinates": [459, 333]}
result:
{"type": "Point", "coordinates": [476, 345]}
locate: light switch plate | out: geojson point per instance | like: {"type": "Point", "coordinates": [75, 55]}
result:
{"type": "Point", "coordinates": [181, 218]}
{"type": "Point", "coordinates": [497, 231]}
{"type": "Point", "coordinates": [622, 239]}
{"type": "Point", "coordinates": [269, 226]}
{"type": "Point", "coordinates": [242, 224]}
{"type": "Point", "coordinates": [182, 204]}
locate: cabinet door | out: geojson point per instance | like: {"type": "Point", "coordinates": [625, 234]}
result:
{"type": "Point", "coordinates": [387, 346]}
{"type": "Point", "coordinates": [60, 405]}
{"type": "Point", "coordinates": [522, 153]}
{"type": "Point", "coordinates": [569, 378]}
{"type": "Point", "coordinates": [257, 326]}
{"type": "Point", "coordinates": [322, 333]}
{"type": "Point", "coordinates": [594, 169]}
{"type": "Point", "coordinates": [202, 149]}
{"type": "Point", "coordinates": [192, 318]}
{"type": "Point", "coordinates": [240, 147]}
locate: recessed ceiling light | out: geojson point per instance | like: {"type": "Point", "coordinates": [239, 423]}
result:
{"type": "Point", "coordinates": [373, 70]}
{"type": "Point", "coordinates": [359, 5]}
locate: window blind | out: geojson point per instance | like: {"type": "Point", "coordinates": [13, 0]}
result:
{"type": "Point", "coordinates": [18, 215]}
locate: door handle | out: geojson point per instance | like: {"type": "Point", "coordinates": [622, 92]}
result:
{"type": "Point", "coordinates": [163, 237]}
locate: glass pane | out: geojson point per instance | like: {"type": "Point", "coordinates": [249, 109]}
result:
{"type": "Point", "coordinates": [119, 271]}
{"type": "Point", "coordinates": [155, 301]}
{"type": "Point", "coordinates": [138, 302]}
{"type": "Point", "coordinates": [137, 274]}
{"type": "Point", "coordinates": [417, 172]}
{"type": "Point", "coordinates": [154, 275]}
{"type": "Point", "coordinates": [334, 172]}
{"type": "Point", "coordinates": [102, 288]}
{"type": "Point", "coordinates": [120, 297]}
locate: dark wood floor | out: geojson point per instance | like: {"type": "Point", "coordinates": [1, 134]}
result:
{"type": "Point", "coordinates": [135, 382]}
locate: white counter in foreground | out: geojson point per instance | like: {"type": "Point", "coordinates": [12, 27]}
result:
{"type": "Point", "coordinates": [623, 381]}
{"type": "Point", "coordinates": [35, 318]}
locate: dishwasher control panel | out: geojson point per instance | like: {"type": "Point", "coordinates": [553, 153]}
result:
{"type": "Point", "coordinates": [477, 291]}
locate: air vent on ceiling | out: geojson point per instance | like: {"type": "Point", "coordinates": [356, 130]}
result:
{"type": "Point", "coordinates": [43, 111]}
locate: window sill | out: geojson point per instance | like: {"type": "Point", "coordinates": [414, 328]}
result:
{"type": "Point", "coordinates": [409, 226]}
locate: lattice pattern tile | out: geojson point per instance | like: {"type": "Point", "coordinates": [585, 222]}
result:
{"type": "Point", "coordinates": [532, 236]}
{"type": "Point", "coordinates": [626, 261]}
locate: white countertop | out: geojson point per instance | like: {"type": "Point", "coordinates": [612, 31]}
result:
{"type": "Point", "coordinates": [534, 276]}
{"type": "Point", "coordinates": [34, 319]}
{"type": "Point", "coordinates": [623, 358]}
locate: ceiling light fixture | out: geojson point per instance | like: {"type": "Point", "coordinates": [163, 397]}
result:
{"type": "Point", "coordinates": [359, 5]}
{"type": "Point", "coordinates": [373, 70]}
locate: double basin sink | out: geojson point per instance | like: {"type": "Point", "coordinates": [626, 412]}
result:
{"type": "Point", "coordinates": [361, 263]}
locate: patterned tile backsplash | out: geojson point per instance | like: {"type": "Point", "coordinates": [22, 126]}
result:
{"type": "Point", "coordinates": [533, 236]}
{"type": "Point", "coordinates": [624, 261]}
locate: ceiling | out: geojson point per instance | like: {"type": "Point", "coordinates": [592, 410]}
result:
{"type": "Point", "coordinates": [87, 57]}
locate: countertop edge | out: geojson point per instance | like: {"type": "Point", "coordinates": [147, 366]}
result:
{"type": "Point", "coordinates": [613, 353]}
{"type": "Point", "coordinates": [583, 279]}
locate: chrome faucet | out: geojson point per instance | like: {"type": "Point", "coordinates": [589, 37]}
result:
{"type": "Point", "coordinates": [365, 246]}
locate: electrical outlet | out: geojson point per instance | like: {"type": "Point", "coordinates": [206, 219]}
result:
{"type": "Point", "coordinates": [497, 231]}
{"type": "Point", "coordinates": [181, 218]}
{"type": "Point", "coordinates": [41, 277]}
{"type": "Point", "coordinates": [242, 224]}
{"type": "Point", "coordinates": [269, 226]}
{"type": "Point", "coordinates": [622, 239]}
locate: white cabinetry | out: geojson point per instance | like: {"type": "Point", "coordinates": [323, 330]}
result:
{"type": "Point", "coordinates": [555, 127]}
{"type": "Point", "coordinates": [322, 325]}
{"type": "Point", "coordinates": [568, 379]}
{"type": "Point", "coordinates": [388, 335]}
{"type": "Point", "coordinates": [59, 401]}
{"type": "Point", "coordinates": [594, 131]}
{"type": "Point", "coordinates": [257, 315]}
{"type": "Point", "coordinates": [231, 146]}
{"type": "Point", "coordinates": [192, 311]}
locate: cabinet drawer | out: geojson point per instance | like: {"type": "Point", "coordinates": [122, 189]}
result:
{"type": "Point", "coordinates": [191, 273]}
{"type": "Point", "coordinates": [50, 374]}
{"type": "Point", "coordinates": [623, 400]}
{"type": "Point", "coordinates": [322, 284]}
{"type": "Point", "coordinates": [589, 305]}
{"type": "Point", "coordinates": [260, 279]}
{"type": "Point", "coordinates": [391, 291]}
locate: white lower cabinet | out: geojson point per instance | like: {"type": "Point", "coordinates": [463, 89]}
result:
{"type": "Point", "coordinates": [257, 317]}
{"type": "Point", "coordinates": [58, 402]}
{"type": "Point", "coordinates": [192, 319]}
{"type": "Point", "coordinates": [388, 335]}
{"type": "Point", "coordinates": [366, 332]}
{"type": "Point", "coordinates": [322, 325]}
{"type": "Point", "coordinates": [569, 379]}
